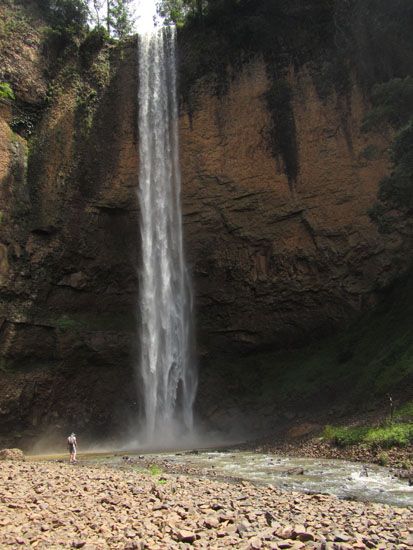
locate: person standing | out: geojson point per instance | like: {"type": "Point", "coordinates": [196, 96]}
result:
{"type": "Point", "coordinates": [72, 446]}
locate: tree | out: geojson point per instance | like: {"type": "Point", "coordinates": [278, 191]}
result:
{"type": "Point", "coordinates": [119, 17]}
{"type": "Point", "coordinates": [178, 10]}
{"type": "Point", "coordinates": [67, 17]}
{"type": "Point", "coordinates": [172, 10]}
{"type": "Point", "coordinates": [96, 16]}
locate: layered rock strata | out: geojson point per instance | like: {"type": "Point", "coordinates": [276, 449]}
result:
{"type": "Point", "coordinates": [276, 260]}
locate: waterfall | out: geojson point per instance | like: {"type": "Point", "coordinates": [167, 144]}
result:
{"type": "Point", "coordinates": [166, 368]}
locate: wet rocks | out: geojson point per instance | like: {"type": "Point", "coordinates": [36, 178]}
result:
{"type": "Point", "coordinates": [316, 447]}
{"type": "Point", "coordinates": [294, 472]}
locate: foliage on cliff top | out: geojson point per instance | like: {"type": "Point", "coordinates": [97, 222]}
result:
{"type": "Point", "coordinates": [336, 39]}
{"type": "Point", "coordinates": [233, 32]}
{"type": "Point", "coordinates": [72, 17]}
{"type": "Point", "coordinates": [65, 16]}
{"type": "Point", "coordinates": [372, 36]}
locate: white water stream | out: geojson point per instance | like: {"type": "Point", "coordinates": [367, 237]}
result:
{"type": "Point", "coordinates": [166, 369]}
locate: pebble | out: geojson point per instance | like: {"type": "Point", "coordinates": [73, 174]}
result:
{"type": "Point", "coordinates": [97, 507]}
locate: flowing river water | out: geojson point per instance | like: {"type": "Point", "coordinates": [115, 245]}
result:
{"type": "Point", "coordinates": [345, 479]}
{"type": "Point", "coordinates": [342, 478]}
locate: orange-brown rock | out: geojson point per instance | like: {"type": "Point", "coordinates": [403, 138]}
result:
{"type": "Point", "coordinates": [275, 262]}
{"type": "Point", "coordinates": [22, 61]}
{"type": "Point", "coordinates": [274, 259]}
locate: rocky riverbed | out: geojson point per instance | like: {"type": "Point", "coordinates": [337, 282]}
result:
{"type": "Point", "coordinates": [399, 459]}
{"type": "Point", "coordinates": [56, 505]}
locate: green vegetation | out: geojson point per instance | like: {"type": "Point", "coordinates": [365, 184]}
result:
{"type": "Point", "coordinates": [405, 413]}
{"type": "Point", "coordinates": [14, 21]}
{"type": "Point", "coordinates": [119, 19]}
{"type": "Point", "coordinates": [115, 16]}
{"type": "Point", "coordinates": [66, 323]}
{"type": "Point", "coordinates": [67, 17]}
{"type": "Point", "coordinates": [375, 36]}
{"type": "Point", "coordinates": [383, 459]}
{"type": "Point", "coordinates": [155, 470]}
{"type": "Point", "coordinates": [67, 24]}
{"type": "Point", "coordinates": [393, 104]}
{"type": "Point", "coordinates": [69, 20]}
{"type": "Point", "coordinates": [398, 435]}
{"type": "Point", "coordinates": [396, 190]}
{"type": "Point", "coordinates": [371, 152]}
{"type": "Point", "coordinates": [93, 43]}
{"type": "Point", "coordinates": [6, 91]}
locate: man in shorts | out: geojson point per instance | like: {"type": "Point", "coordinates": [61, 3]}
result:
{"type": "Point", "coordinates": [72, 446]}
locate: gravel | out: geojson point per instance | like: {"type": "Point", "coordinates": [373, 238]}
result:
{"type": "Point", "coordinates": [57, 505]}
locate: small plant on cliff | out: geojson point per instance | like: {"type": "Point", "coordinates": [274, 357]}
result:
{"type": "Point", "coordinates": [6, 91]}
{"type": "Point", "coordinates": [66, 323]}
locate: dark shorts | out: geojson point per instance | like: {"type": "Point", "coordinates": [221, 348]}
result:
{"type": "Point", "coordinates": [72, 448]}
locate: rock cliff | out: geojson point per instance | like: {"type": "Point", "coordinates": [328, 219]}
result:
{"type": "Point", "coordinates": [277, 261]}
{"type": "Point", "coordinates": [277, 258]}
{"type": "Point", "coordinates": [69, 238]}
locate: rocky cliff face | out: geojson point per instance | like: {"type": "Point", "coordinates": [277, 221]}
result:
{"type": "Point", "coordinates": [276, 260]}
{"type": "Point", "coordinates": [69, 241]}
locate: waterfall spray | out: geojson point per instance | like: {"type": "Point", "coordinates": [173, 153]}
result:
{"type": "Point", "coordinates": [166, 367]}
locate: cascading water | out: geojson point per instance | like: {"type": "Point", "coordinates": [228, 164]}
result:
{"type": "Point", "coordinates": [166, 368]}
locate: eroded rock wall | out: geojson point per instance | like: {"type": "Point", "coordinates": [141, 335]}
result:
{"type": "Point", "coordinates": [69, 244]}
{"type": "Point", "coordinates": [276, 261]}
